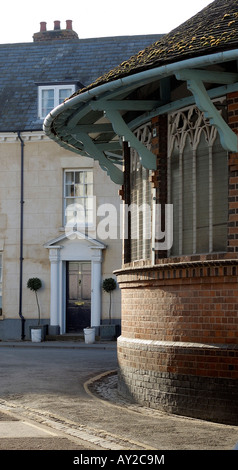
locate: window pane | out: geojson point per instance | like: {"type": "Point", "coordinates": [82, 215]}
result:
{"type": "Point", "coordinates": [89, 217]}
{"type": "Point", "coordinates": [69, 177]}
{"type": "Point", "coordinates": [188, 189]}
{"type": "Point", "coordinates": [175, 191]}
{"type": "Point", "coordinates": [79, 190]}
{"type": "Point", "coordinates": [140, 219]}
{"type": "Point", "coordinates": [69, 184]}
{"type": "Point", "coordinates": [81, 212]}
{"type": "Point", "coordinates": [69, 210]}
{"type": "Point", "coordinates": [69, 190]}
{"type": "Point", "coordinates": [88, 177]}
{"type": "Point", "coordinates": [79, 177]}
{"type": "Point", "coordinates": [79, 183]}
{"type": "Point", "coordinates": [64, 93]}
{"type": "Point", "coordinates": [89, 203]}
{"type": "Point", "coordinates": [81, 201]}
{"type": "Point", "coordinates": [47, 101]}
{"type": "Point", "coordinates": [202, 169]}
{"type": "Point", "coordinates": [89, 190]}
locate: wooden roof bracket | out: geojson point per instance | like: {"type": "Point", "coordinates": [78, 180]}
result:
{"type": "Point", "coordinates": [148, 159]}
{"type": "Point", "coordinates": [195, 84]}
{"type": "Point", "coordinates": [92, 149]}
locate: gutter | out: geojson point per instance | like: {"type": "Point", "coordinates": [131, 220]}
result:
{"type": "Point", "coordinates": [21, 237]}
{"type": "Point", "coordinates": [135, 79]}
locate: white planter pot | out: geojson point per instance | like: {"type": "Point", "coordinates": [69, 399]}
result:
{"type": "Point", "coordinates": [36, 335]}
{"type": "Point", "coordinates": [89, 335]}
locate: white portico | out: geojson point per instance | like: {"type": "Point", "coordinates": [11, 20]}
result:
{"type": "Point", "coordinates": [62, 251]}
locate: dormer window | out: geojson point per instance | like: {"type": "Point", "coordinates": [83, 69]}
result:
{"type": "Point", "coordinates": [50, 96]}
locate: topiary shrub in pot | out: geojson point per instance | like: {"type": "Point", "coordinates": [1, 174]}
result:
{"type": "Point", "coordinates": [109, 285]}
{"type": "Point", "coordinates": [34, 284]}
{"type": "Point", "coordinates": [37, 332]}
{"type": "Point", "coordinates": [108, 331]}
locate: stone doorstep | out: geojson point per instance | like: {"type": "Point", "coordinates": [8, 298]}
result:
{"type": "Point", "coordinates": [69, 337]}
{"type": "Point", "coordinates": [66, 337]}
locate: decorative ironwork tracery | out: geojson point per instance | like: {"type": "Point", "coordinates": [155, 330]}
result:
{"type": "Point", "coordinates": [193, 142]}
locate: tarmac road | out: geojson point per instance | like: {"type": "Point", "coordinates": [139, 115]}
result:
{"type": "Point", "coordinates": [50, 400]}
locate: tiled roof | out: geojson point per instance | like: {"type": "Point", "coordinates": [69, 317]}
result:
{"type": "Point", "coordinates": [25, 65]}
{"type": "Point", "coordinates": [213, 29]}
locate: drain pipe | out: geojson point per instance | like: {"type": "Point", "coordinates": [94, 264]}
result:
{"type": "Point", "coordinates": [21, 237]}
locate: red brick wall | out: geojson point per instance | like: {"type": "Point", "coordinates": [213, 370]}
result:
{"type": "Point", "coordinates": [197, 303]}
{"type": "Point", "coordinates": [232, 105]}
{"type": "Point", "coordinates": [184, 359]}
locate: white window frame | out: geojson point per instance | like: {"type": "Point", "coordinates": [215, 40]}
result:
{"type": "Point", "coordinates": [90, 225]}
{"type": "Point", "coordinates": [56, 89]}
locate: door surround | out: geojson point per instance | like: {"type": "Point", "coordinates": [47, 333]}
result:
{"type": "Point", "coordinates": [61, 250]}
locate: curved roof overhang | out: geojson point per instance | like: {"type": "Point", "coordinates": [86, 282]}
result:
{"type": "Point", "coordinates": [95, 122]}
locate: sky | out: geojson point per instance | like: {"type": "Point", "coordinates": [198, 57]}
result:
{"type": "Point", "coordinates": [95, 18]}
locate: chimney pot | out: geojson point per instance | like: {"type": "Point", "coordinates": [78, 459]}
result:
{"type": "Point", "coordinates": [56, 24]}
{"type": "Point", "coordinates": [42, 26]}
{"type": "Point", "coordinates": [69, 24]}
{"type": "Point", "coordinates": [57, 34]}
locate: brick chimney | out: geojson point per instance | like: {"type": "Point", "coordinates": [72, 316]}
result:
{"type": "Point", "coordinates": [43, 26]}
{"type": "Point", "coordinates": [56, 25]}
{"type": "Point", "coordinates": [56, 34]}
{"type": "Point", "coordinates": [69, 25]}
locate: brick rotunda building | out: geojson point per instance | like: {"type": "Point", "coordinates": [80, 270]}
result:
{"type": "Point", "coordinates": [164, 126]}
